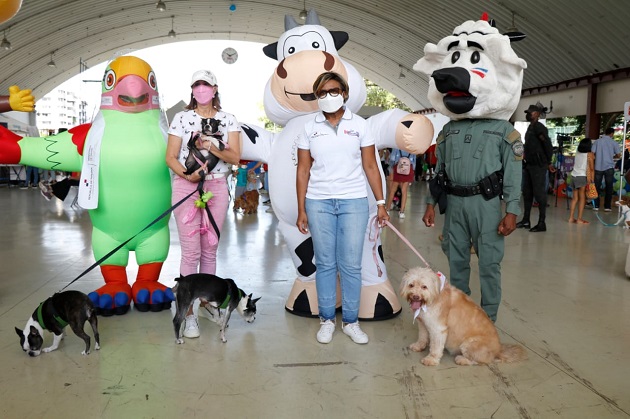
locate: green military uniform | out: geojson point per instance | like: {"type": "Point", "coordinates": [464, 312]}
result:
{"type": "Point", "coordinates": [471, 150]}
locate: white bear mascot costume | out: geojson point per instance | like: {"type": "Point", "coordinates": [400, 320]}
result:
{"type": "Point", "coordinates": [304, 52]}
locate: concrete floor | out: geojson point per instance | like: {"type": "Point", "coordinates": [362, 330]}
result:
{"type": "Point", "coordinates": [565, 298]}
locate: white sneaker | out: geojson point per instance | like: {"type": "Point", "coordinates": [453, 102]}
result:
{"type": "Point", "coordinates": [326, 330]}
{"type": "Point", "coordinates": [191, 329]}
{"type": "Point", "coordinates": [401, 215]}
{"type": "Point", "coordinates": [354, 331]}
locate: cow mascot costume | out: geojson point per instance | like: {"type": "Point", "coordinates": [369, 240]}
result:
{"type": "Point", "coordinates": [475, 79]}
{"type": "Point", "coordinates": [304, 52]}
{"type": "Point", "coordinates": [125, 183]}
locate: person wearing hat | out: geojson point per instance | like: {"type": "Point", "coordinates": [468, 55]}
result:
{"type": "Point", "coordinates": [536, 162]}
{"type": "Point", "coordinates": [199, 241]}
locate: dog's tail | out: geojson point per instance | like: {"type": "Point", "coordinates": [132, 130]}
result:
{"type": "Point", "coordinates": [511, 353]}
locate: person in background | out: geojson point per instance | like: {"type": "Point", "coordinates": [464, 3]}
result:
{"type": "Point", "coordinates": [605, 150]}
{"type": "Point", "coordinates": [199, 243]}
{"type": "Point", "coordinates": [399, 179]}
{"type": "Point", "coordinates": [335, 155]}
{"type": "Point", "coordinates": [536, 163]}
{"type": "Point", "coordinates": [581, 175]}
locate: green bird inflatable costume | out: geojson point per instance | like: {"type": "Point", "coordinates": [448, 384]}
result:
{"type": "Point", "coordinates": [125, 183]}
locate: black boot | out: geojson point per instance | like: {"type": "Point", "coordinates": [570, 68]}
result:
{"type": "Point", "coordinates": [541, 226]}
{"type": "Point", "coordinates": [523, 224]}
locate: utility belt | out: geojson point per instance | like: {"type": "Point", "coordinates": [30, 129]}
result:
{"type": "Point", "coordinates": [491, 186]}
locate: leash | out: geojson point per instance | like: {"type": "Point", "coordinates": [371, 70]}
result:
{"type": "Point", "coordinates": [377, 228]}
{"type": "Point", "coordinates": [622, 217]}
{"type": "Point", "coordinates": [120, 246]}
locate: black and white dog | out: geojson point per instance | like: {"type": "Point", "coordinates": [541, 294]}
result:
{"type": "Point", "coordinates": [217, 293]}
{"type": "Point", "coordinates": [64, 308]}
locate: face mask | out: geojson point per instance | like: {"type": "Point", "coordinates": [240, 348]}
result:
{"type": "Point", "coordinates": [203, 94]}
{"type": "Point", "coordinates": [330, 104]}
{"type": "Point", "coordinates": [528, 117]}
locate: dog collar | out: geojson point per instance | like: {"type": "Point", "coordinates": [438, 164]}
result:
{"type": "Point", "coordinates": [228, 298]}
{"type": "Point", "coordinates": [40, 318]}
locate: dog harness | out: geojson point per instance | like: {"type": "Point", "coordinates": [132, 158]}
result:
{"type": "Point", "coordinates": [229, 297]}
{"type": "Point", "coordinates": [40, 318]}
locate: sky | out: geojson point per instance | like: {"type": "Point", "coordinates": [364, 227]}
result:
{"type": "Point", "coordinates": [241, 84]}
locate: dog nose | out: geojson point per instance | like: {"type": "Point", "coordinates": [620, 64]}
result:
{"type": "Point", "coordinates": [30, 353]}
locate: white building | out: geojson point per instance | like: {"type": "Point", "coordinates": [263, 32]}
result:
{"type": "Point", "coordinates": [59, 109]}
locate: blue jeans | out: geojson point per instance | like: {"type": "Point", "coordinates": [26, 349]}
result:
{"type": "Point", "coordinates": [608, 176]}
{"type": "Point", "coordinates": [338, 230]}
{"type": "Point", "coordinates": [35, 172]}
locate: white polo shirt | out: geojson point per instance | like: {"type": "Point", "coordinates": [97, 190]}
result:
{"type": "Point", "coordinates": [337, 170]}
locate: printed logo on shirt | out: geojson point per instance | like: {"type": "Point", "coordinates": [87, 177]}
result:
{"type": "Point", "coordinates": [351, 133]}
{"type": "Point", "coordinates": [317, 134]}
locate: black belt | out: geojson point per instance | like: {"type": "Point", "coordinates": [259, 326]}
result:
{"type": "Point", "coordinates": [463, 190]}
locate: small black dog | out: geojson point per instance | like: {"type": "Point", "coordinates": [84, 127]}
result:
{"type": "Point", "coordinates": [198, 153]}
{"type": "Point", "coordinates": [64, 308]}
{"type": "Point", "coordinates": [218, 293]}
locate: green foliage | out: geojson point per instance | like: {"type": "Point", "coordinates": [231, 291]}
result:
{"type": "Point", "coordinates": [377, 96]}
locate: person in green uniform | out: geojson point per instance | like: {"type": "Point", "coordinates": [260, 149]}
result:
{"type": "Point", "coordinates": [475, 80]}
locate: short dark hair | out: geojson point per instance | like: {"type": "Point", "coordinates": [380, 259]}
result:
{"type": "Point", "coordinates": [585, 146]}
{"type": "Point", "coordinates": [326, 77]}
{"type": "Point", "coordinates": [609, 130]}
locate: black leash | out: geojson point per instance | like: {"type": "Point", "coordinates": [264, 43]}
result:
{"type": "Point", "coordinates": [207, 208]}
{"type": "Point", "coordinates": [117, 248]}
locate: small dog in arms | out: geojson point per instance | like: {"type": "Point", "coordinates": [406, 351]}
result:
{"type": "Point", "coordinates": [64, 308]}
{"type": "Point", "coordinates": [448, 318]}
{"type": "Point", "coordinates": [215, 294]}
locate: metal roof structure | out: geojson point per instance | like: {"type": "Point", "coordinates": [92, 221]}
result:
{"type": "Point", "coordinates": [566, 39]}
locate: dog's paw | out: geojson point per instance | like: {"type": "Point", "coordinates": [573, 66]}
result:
{"type": "Point", "coordinates": [97, 347]}
{"type": "Point", "coordinates": [418, 346]}
{"type": "Point", "coordinates": [179, 341]}
{"type": "Point", "coordinates": [49, 349]}
{"type": "Point", "coordinates": [430, 361]}
{"type": "Point", "coordinates": [462, 360]}
{"type": "Point", "coordinates": [85, 353]}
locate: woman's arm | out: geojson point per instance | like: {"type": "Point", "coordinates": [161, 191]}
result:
{"type": "Point", "coordinates": [305, 161]}
{"type": "Point", "coordinates": [232, 154]}
{"type": "Point", "coordinates": [370, 167]}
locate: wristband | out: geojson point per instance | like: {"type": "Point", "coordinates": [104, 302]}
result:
{"type": "Point", "coordinates": [380, 202]}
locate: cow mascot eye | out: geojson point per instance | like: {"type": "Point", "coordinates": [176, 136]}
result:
{"type": "Point", "coordinates": [475, 57]}
{"type": "Point", "coordinates": [455, 57]}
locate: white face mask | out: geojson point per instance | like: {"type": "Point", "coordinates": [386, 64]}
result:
{"type": "Point", "coordinates": [330, 104]}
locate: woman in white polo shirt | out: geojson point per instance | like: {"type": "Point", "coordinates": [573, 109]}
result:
{"type": "Point", "coordinates": [334, 152]}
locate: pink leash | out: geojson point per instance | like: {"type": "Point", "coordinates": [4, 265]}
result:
{"type": "Point", "coordinates": [374, 223]}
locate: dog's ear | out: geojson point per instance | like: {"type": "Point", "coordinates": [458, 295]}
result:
{"type": "Point", "coordinates": [254, 301]}
{"type": "Point", "coordinates": [19, 332]}
{"type": "Point", "coordinates": [34, 331]}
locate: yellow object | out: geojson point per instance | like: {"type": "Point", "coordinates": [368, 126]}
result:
{"type": "Point", "coordinates": [8, 9]}
{"type": "Point", "coordinates": [21, 100]}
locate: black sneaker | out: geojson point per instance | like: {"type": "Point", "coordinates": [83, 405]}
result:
{"type": "Point", "coordinates": [523, 224]}
{"type": "Point", "coordinates": [540, 227]}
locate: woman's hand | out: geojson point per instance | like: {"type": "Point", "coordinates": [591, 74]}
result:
{"type": "Point", "coordinates": [196, 177]}
{"type": "Point", "coordinates": [382, 215]}
{"type": "Point", "coordinates": [302, 222]}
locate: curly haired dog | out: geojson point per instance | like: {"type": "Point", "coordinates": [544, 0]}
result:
{"type": "Point", "coordinates": [248, 202]}
{"type": "Point", "coordinates": [450, 319]}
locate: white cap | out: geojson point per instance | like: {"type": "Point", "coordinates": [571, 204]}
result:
{"type": "Point", "coordinates": [204, 75]}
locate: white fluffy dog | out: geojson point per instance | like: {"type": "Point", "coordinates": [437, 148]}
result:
{"type": "Point", "coordinates": [449, 319]}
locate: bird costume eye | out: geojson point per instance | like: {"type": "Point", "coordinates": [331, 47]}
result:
{"type": "Point", "coordinates": [152, 81]}
{"type": "Point", "coordinates": [109, 79]}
